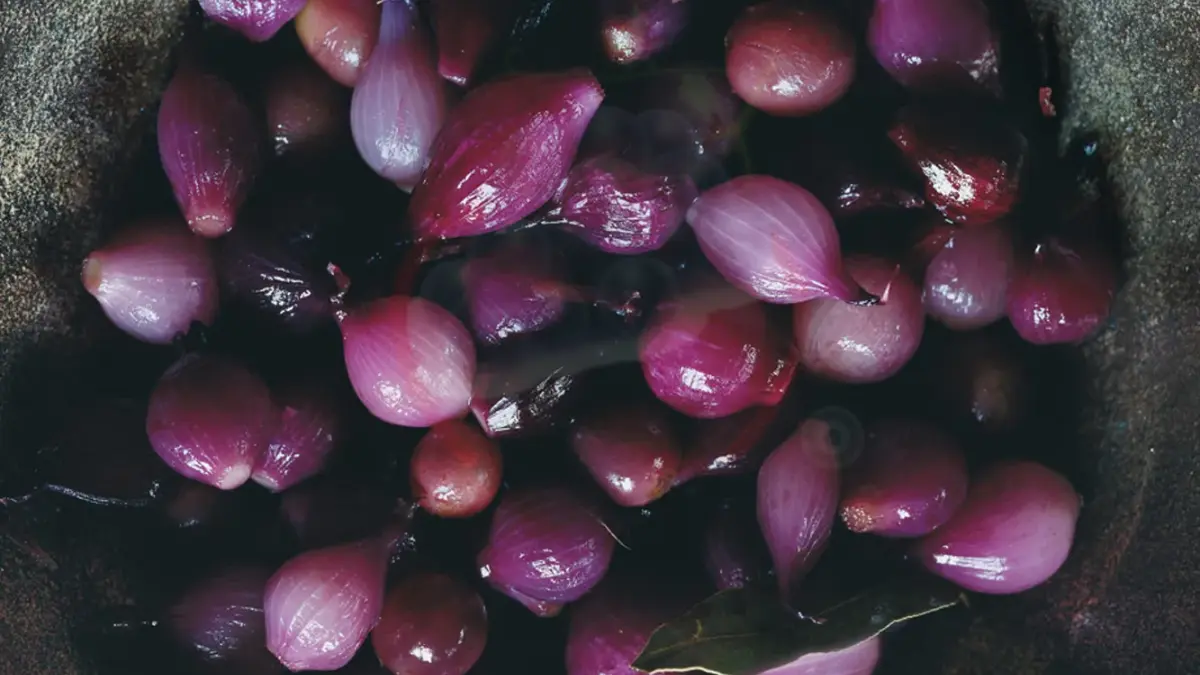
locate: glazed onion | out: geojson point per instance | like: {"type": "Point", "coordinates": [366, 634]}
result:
{"type": "Point", "coordinates": [966, 283]}
{"type": "Point", "coordinates": [431, 625]}
{"type": "Point", "coordinates": [456, 470]}
{"type": "Point", "coordinates": [220, 621]}
{"type": "Point", "coordinates": [340, 35]}
{"type": "Point", "coordinates": [630, 450]}
{"type": "Point", "coordinates": [311, 425]}
{"type": "Point", "coordinates": [1062, 292]}
{"type": "Point", "coordinates": [936, 44]}
{"type": "Point", "coordinates": [258, 20]}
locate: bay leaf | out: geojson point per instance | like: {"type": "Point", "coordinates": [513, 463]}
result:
{"type": "Point", "coordinates": [746, 631]}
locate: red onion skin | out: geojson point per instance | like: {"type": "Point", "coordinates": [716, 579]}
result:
{"type": "Point", "coordinates": [928, 240]}
{"type": "Point", "coordinates": [513, 291]}
{"type": "Point", "coordinates": [619, 209]}
{"type": "Point", "coordinates": [503, 153]}
{"type": "Point", "coordinates": [431, 625]}
{"type": "Point", "coordinates": [853, 344]}
{"type": "Point", "coordinates": [966, 283]}
{"type": "Point", "coordinates": [631, 451]}
{"type": "Point", "coordinates": [787, 60]}
{"type": "Point", "coordinates": [306, 110]}
{"type": "Point", "coordinates": [798, 501]}
{"type": "Point", "coordinates": [257, 20]}
{"type": "Point", "coordinates": [466, 30]}
{"type": "Point", "coordinates": [456, 470]}
{"type": "Point", "coordinates": [321, 605]}
{"type": "Point", "coordinates": [210, 419]}
{"type": "Point", "coordinates": [399, 100]}
{"type": "Point", "coordinates": [859, 659]}
{"type": "Point", "coordinates": [340, 35]}
{"type": "Point", "coordinates": [311, 426]}
{"type": "Point", "coordinates": [712, 353]}
{"type": "Point", "coordinates": [635, 30]}
{"type": "Point", "coordinates": [209, 144]}
{"type": "Point", "coordinates": [936, 44]}
{"type": "Point", "coordinates": [410, 361]}
{"type": "Point", "coordinates": [546, 547]}
{"type": "Point", "coordinates": [725, 446]}
{"type": "Point", "coordinates": [220, 621]}
{"type": "Point", "coordinates": [1013, 532]}
{"type": "Point", "coordinates": [734, 553]}
{"type": "Point", "coordinates": [911, 479]}
{"type": "Point", "coordinates": [153, 280]}
{"type": "Point", "coordinates": [773, 240]}
{"type": "Point", "coordinates": [1062, 291]}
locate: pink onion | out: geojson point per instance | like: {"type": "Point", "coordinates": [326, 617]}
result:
{"type": "Point", "coordinates": [514, 290]}
{"type": "Point", "coordinates": [311, 426]}
{"type": "Point", "coordinates": [859, 659]}
{"type": "Point", "coordinates": [910, 481]}
{"type": "Point", "coordinates": [339, 35]}
{"type": "Point", "coordinates": [1013, 532]}
{"type": "Point", "coordinates": [208, 141]}
{"type": "Point", "coordinates": [210, 419]}
{"type": "Point", "coordinates": [635, 30]}
{"type": "Point", "coordinates": [321, 605]}
{"type": "Point", "coordinates": [798, 501]}
{"type": "Point", "coordinates": [257, 20]}
{"type": "Point", "coordinates": [503, 153]}
{"type": "Point", "coordinates": [306, 110]}
{"type": "Point", "coordinates": [466, 32]}
{"type": "Point", "coordinates": [153, 280]}
{"type": "Point", "coordinates": [855, 344]}
{"type": "Point", "coordinates": [1062, 291]}
{"type": "Point", "coordinates": [617, 208]}
{"type": "Point", "coordinates": [712, 352]}
{"type": "Point", "coordinates": [220, 621]}
{"type": "Point", "coordinates": [431, 625]}
{"type": "Point", "coordinates": [936, 44]}
{"type": "Point", "coordinates": [966, 284]}
{"type": "Point", "coordinates": [630, 450]}
{"type": "Point", "coordinates": [773, 240]}
{"type": "Point", "coordinates": [455, 470]}
{"type": "Point", "coordinates": [735, 555]}
{"type": "Point", "coordinates": [789, 60]}
{"type": "Point", "coordinates": [410, 361]}
{"type": "Point", "coordinates": [399, 101]}
{"type": "Point", "coordinates": [546, 547]}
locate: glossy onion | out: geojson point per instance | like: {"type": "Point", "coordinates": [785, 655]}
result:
{"type": "Point", "coordinates": [210, 419]}
{"type": "Point", "coordinates": [208, 141]}
{"type": "Point", "coordinates": [611, 626]}
{"type": "Point", "coordinates": [220, 621]}
{"type": "Point", "coordinates": [527, 389]}
{"type": "Point", "coordinates": [911, 479]}
{"type": "Point", "coordinates": [1013, 532]}
{"type": "Point", "coordinates": [546, 547]}
{"type": "Point", "coordinates": [466, 31]}
{"type": "Point", "coordinates": [936, 44]}
{"type": "Point", "coordinates": [431, 625]}
{"type": "Point", "coordinates": [456, 470]}
{"type": "Point", "coordinates": [966, 283]}
{"type": "Point", "coordinates": [727, 445]}
{"type": "Point", "coordinates": [859, 659]}
{"type": "Point", "coordinates": [618, 208]}
{"type": "Point", "coordinates": [257, 20]}
{"type": "Point", "coordinates": [773, 240]}
{"type": "Point", "coordinates": [734, 553]}
{"type": "Point", "coordinates": [513, 290]}
{"type": "Point", "coordinates": [798, 501]}
{"type": "Point", "coordinates": [503, 153]}
{"type": "Point", "coordinates": [1062, 292]}
{"type": "Point", "coordinates": [339, 35]}
{"type": "Point", "coordinates": [852, 172]}
{"type": "Point", "coordinates": [306, 110]}
{"type": "Point", "coordinates": [635, 30]}
{"type": "Point", "coordinates": [399, 100]}
{"type": "Point", "coordinates": [153, 280]}
{"type": "Point", "coordinates": [788, 60]}
{"type": "Point", "coordinates": [410, 361]}
{"type": "Point", "coordinates": [631, 451]}
{"type": "Point", "coordinates": [311, 425]}
{"type": "Point", "coordinates": [847, 343]}
{"type": "Point", "coordinates": [321, 605]}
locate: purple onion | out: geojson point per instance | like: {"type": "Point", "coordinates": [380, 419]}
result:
{"type": "Point", "coordinates": [735, 555]}
{"type": "Point", "coordinates": [936, 44]}
{"type": "Point", "coordinates": [859, 659]}
{"type": "Point", "coordinates": [209, 144]}
{"type": "Point", "coordinates": [220, 621]}
{"type": "Point", "coordinates": [153, 280]}
{"type": "Point", "coordinates": [399, 101]}
{"type": "Point", "coordinates": [1013, 532]}
{"type": "Point", "coordinates": [773, 240]}
{"type": "Point", "coordinates": [546, 547]}
{"type": "Point", "coordinates": [503, 153]}
{"type": "Point", "coordinates": [339, 35]}
{"type": "Point", "coordinates": [620, 209]}
{"type": "Point", "coordinates": [455, 470]}
{"type": "Point", "coordinates": [466, 32]}
{"type": "Point", "coordinates": [860, 344]}
{"type": "Point", "coordinates": [630, 450]}
{"type": "Point", "coordinates": [431, 625]}
{"type": "Point", "coordinates": [966, 284]}
{"type": "Point", "coordinates": [798, 501]}
{"type": "Point", "coordinates": [410, 361]}
{"type": "Point", "coordinates": [336, 509]}
{"type": "Point", "coordinates": [312, 424]}
{"type": "Point", "coordinates": [321, 605]}
{"type": "Point", "coordinates": [210, 419]}
{"type": "Point", "coordinates": [635, 30]}
{"type": "Point", "coordinates": [257, 20]}
{"type": "Point", "coordinates": [513, 290]}
{"type": "Point", "coordinates": [306, 111]}
{"type": "Point", "coordinates": [732, 445]}
{"type": "Point", "coordinates": [1062, 291]}
{"type": "Point", "coordinates": [910, 481]}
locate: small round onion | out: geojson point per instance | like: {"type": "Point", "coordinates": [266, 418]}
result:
{"type": "Point", "coordinates": [210, 419]}
{"type": "Point", "coordinates": [910, 481]}
{"type": "Point", "coordinates": [1013, 532]}
{"type": "Point", "coordinates": [936, 44]}
{"type": "Point", "coordinates": [410, 361]}
{"type": "Point", "coordinates": [311, 426]}
{"type": "Point", "coordinates": [859, 659]}
{"type": "Point", "coordinates": [546, 547]}
{"type": "Point", "coordinates": [456, 470]}
{"type": "Point", "coordinates": [849, 343]}
{"type": "Point", "coordinates": [220, 621]}
{"type": "Point", "coordinates": [153, 280]}
{"type": "Point", "coordinates": [788, 60]}
{"type": "Point", "coordinates": [635, 30]}
{"type": "Point", "coordinates": [630, 450]}
{"type": "Point", "coordinates": [513, 290]}
{"type": "Point", "coordinates": [306, 110]}
{"type": "Point", "coordinates": [966, 283]}
{"type": "Point", "coordinates": [1062, 292]}
{"type": "Point", "coordinates": [735, 555]}
{"type": "Point", "coordinates": [257, 20]}
{"type": "Point", "coordinates": [339, 35]}
{"type": "Point", "coordinates": [431, 625]}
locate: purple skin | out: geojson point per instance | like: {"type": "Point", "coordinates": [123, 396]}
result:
{"type": "Point", "coordinates": [936, 44]}
{"type": "Point", "coordinates": [257, 20]}
{"type": "Point", "coordinates": [512, 291]}
{"type": "Point", "coordinates": [635, 30]}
